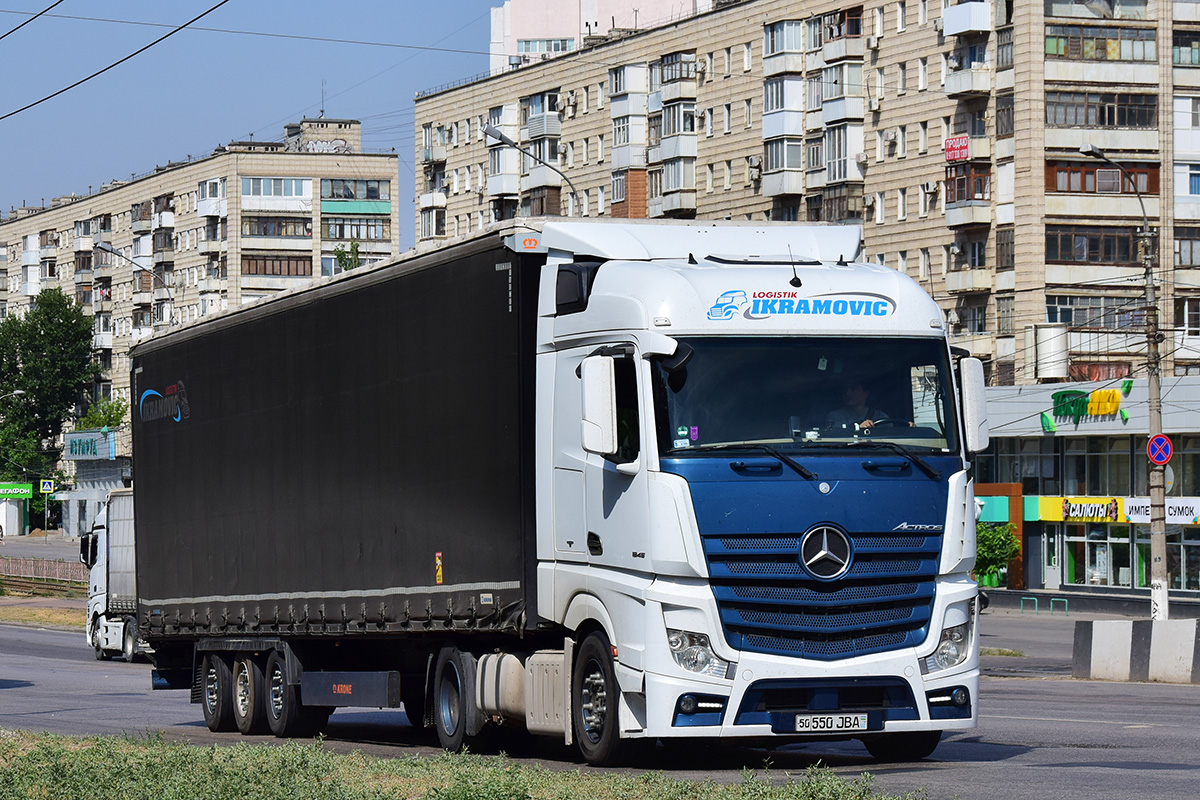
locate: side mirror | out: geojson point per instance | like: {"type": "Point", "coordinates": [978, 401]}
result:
{"type": "Point", "coordinates": [598, 426]}
{"type": "Point", "coordinates": [974, 403]}
{"type": "Point", "coordinates": [87, 549]}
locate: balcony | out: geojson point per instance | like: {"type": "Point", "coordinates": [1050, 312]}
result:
{"type": "Point", "coordinates": [785, 63]}
{"type": "Point", "coordinates": [83, 244]}
{"type": "Point", "coordinates": [30, 258]}
{"type": "Point", "coordinates": [212, 207]}
{"type": "Point", "coordinates": [212, 247]}
{"type": "Point", "coordinates": [164, 255]}
{"type": "Point", "coordinates": [969, 212]}
{"type": "Point", "coordinates": [842, 108]}
{"type": "Point", "coordinates": [434, 154]}
{"type": "Point", "coordinates": [141, 225]}
{"type": "Point", "coordinates": [542, 125]}
{"type": "Point", "coordinates": [48, 251]}
{"type": "Point", "coordinates": [839, 49]}
{"type": "Point", "coordinates": [683, 145]}
{"type": "Point", "coordinates": [968, 280]}
{"type": "Point", "coordinates": [162, 294]}
{"type": "Point", "coordinates": [540, 176]}
{"type": "Point", "coordinates": [431, 200]}
{"type": "Point", "coordinates": [83, 276]}
{"type": "Point", "coordinates": [966, 19]}
{"type": "Point", "coordinates": [163, 219]}
{"type": "Point", "coordinates": [505, 184]}
{"type": "Point", "coordinates": [969, 82]}
{"type": "Point", "coordinates": [628, 156]}
{"type": "Point", "coordinates": [102, 341]}
{"type": "Point", "coordinates": [968, 148]}
{"type": "Point", "coordinates": [783, 182]}
{"type": "Point", "coordinates": [678, 90]}
{"type": "Point", "coordinates": [680, 201]}
{"type": "Point", "coordinates": [785, 122]}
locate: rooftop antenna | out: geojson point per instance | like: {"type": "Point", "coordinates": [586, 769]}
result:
{"type": "Point", "coordinates": [795, 281]}
{"type": "Point", "coordinates": [322, 98]}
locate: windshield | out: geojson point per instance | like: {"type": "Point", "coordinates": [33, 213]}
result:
{"type": "Point", "coordinates": [800, 393]}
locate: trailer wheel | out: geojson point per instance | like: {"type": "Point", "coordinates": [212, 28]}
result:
{"type": "Point", "coordinates": [216, 697]}
{"type": "Point", "coordinates": [129, 640]}
{"type": "Point", "coordinates": [594, 698]}
{"type": "Point", "coordinates": [285, 715]}
{"type": "Point", "coordinates": [249, 710]}
{"type": "Point", "coordinates": [899, 747]}
{"type": "Point", "coordinates": [453, 690]}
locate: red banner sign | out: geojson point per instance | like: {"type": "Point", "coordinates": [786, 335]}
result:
{"type": "Point", "coordinates": [958, 148]}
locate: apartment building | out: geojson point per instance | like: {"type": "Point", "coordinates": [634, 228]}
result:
{"type": "Point", "coordinates": [952, 132]}
{"type": "Point", "coordinates": [189, 239]}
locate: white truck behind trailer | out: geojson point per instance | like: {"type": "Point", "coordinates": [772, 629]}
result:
{"type": "Point", "coordinates": [108, 551]}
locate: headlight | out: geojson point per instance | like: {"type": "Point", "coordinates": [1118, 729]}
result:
{"type": "Point", "coordinates": [954, 647]}
{"type": "Point", "coordinates": [693, 652]}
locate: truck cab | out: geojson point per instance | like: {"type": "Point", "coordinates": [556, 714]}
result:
{"type": "Point", "coordinates": [108, 551]}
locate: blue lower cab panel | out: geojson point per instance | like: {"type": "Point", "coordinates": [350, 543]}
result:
{"type": "Point", "coordinates": [777, 702]}
{"type": "Point", "coordinates": [753, 529]}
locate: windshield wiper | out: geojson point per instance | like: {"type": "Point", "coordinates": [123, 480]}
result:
{"type": "Point", "coordinates": [802, 470]}
{"type": "Point", "coordinates": [904, 451]}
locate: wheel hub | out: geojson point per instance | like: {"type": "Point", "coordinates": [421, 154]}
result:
{"type": "Point", "coordinates": [595, 702]}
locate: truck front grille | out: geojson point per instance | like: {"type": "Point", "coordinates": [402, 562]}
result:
{"type": "Point", "coordinates": [769, 603]}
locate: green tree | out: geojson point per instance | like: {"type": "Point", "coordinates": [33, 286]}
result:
{"type": "Point", "coordinates": [996, 544]}
{"type": "Point", "coordinates": [47, 355]}
{"type": "Point", "coordinates": [105, 414]}
{"type": "Point", "coordinates": [347, 259]}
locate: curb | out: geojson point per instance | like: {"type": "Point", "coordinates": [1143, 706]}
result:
{"type": "Point", "coordinates": [1166, 651]}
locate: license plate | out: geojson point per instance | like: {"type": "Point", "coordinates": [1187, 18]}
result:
{"type": "Point", "coordinates": [827, 723]}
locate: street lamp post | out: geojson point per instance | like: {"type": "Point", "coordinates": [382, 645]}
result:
{"type": "Point", "coordinates": [495, 133]}
{"type": "Point", "coordinates": [1158, 511]}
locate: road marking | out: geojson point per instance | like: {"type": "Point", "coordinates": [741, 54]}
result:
{"type": "Point", "coordinates": [1075, 720]}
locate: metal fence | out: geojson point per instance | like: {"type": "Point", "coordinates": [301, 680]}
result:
{"type": "Point", "coordinates": [44, 569]}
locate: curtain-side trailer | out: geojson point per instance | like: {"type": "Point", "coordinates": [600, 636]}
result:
{"type": "Point", "coordinates": [577, 479]}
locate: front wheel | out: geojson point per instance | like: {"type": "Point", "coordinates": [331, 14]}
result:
{"type": "Point", "coordinates": [594, 699]}
{"type": "Point", "coordinates": [901, 747]}
{"type": "Point", "coordinates": [97, 642]}
{"type": "Point", "coordinates": [129, 640]}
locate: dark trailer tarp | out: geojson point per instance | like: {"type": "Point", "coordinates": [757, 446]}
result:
{"type": "Point", "coordinates": [354, 458]}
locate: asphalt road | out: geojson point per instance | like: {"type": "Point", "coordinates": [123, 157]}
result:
{"type": "Point", "coordinates": [1041, 735]}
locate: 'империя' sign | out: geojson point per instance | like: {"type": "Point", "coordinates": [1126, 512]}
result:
{"type": "Point", "coordinates": [1179, 511]}
{"type": "Point", "coordinates": [89, 445]}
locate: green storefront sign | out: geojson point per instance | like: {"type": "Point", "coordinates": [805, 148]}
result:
{"type": "Point", "coordinates": [16, 491]}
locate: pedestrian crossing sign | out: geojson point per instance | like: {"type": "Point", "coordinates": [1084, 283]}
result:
{"type": "Point", "coordinates": [47, 485]}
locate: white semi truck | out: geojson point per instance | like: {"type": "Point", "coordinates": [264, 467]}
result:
{"type": "Point", "coordinates": [578, 479]}
{"type": "Point", "coordinates": [108, 551]}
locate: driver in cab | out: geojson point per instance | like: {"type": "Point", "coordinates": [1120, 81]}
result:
{"type": "Point", "coordinates": [855, 412]}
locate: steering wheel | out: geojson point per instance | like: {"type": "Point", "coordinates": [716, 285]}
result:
{"type": "Point", "coordinates": [882, 421]}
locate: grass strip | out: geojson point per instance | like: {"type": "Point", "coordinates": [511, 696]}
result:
{"type": "Point", "coordinates": [44, 617]}
{"type": "Point", "coordinates": [1000, 651]}
{"type": "Point", "coordinates": [34, 765]}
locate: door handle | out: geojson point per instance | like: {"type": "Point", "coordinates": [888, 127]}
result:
{"type": "Point", "coordinates": [898, 464]}
{"type": "Point", "coordinates": [756, 465]}
{"type": "Point", "coordinates": [594, 546]}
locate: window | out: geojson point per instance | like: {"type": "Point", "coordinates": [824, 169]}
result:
{"type": "Point", "coordinates": [842, 24]}
{"type": "Point", "coordinates": [433, 222]}
{"type": "Point", "coordinates": [816, 154]}
{"type": "Point", "coordinates": [1004, 116]}
{"type": "Point", "coordinates": [747, 57]}
{"type": "Point", "coordinates": [654, 130]}
{"type": "Point", "coordinates": [1102, 312]}
{"type": "Point", "coordinates": [625, 370]}
{"type": "Point", "coordinates": [1006, 320]}
{"type": "Point", "coordinates": [278, 187]}
{"type": "Point", "coordinates": [1100, 44]}
{"type": "Point", "coordinates": [1185, 48]}
{"type": "Point", "coordinates": [539, 46]}
{"type": "Point", "coordinates": [277, 226]}
{"type": "Point", "coordinates": [616, 81]}
{"type": "Point", "coordinates": [923, 137]}
{"type": "Point", "coordinates": [1066, 244]}
{"type": "Point", "coordinates": [537, 104]}
{"type": "Point", "coordinates": [727, 123]}
{"type": "Point", "coordinates": [679, 174]}
{"type": "Point", "coordinates": [1194, 179]}
{"type": "Point", "coordinates": [1187, 247]}
{"type": "Point", "coordinates": [278, 265]}
{"type": "Point", "coordinates": [1101, 110]}
{"type": "Point", "coordinates": [1004, 48]}
{"type": "Point", "coordinates": [338, 189]}
{"type": "Point", "coordinates": [976, 314]}
{"type": "Point", "coordinates": [841, 203]}
{"type": "Point", "coordinates": [902, 141]}
{"type": "Point", "coordinates": [362, 228]}
{"type": "Point", "coordinates": [678, 67]}
{"type": "Point", "coordinates": [880, 200]}
{"type": "Point", "coordinates": [679, 118]}
{"type": "Point", "coordinates": [977, 253]}
{"type": "Point", "coordinates": [786, 37]}
{"type": "Point", "coordinates": [842, 80]}
{"type": "Point", "coordinates": [901, 16]}
{"type": "Point", "coordinates": [618, 186]}
{"type": "Point", "coordinates": [814, 85]}
{"type": "Point", "coordinates": [748, 109]}
{"type": "Point", "coordinates": [620, 131]}
{"type": "Point", "coordinates": [773, 95]}
{"type": "Point", "coordinates": [784, 154]}
{"type": "Point", "coordinates": [836, 160]}
{"type": "Point", "coordinates": [1191, 316]}
{"type": "Point", "coordinates": [1006, 252]}
{"type": "Point", "coordinates": [902, 204]}
{"type": "Point", "coordinates": [901, 78]}
{"type": "Point", "coordinates": [708, 121]}
{"type": "Point", "coordinates": [1095, 177]}
{"type": "Point", "coordinates": [922, 74]}
{"type": "Point", "coordinates": [968, 181]}
{"type": "Point", "coordinates": [923, 264]}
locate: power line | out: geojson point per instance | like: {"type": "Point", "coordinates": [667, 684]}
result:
{"type": "Point", "coordinates": [31, 19]}
{"type": "Point", "coordinates": [114, 64]}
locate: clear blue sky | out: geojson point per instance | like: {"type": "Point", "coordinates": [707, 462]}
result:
{"type": "Point", "coordinates": [202, 88]}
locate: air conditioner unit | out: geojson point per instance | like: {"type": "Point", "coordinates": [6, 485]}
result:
{"type": "Point", "coordinates": [890, 136]}
{"type": "Point", "coordinates": [754, 161]}
{"type": "Point", "coordinates": [874, 104]}
{"type": "Point", "coordinates": [872, 42]}
{"type": "Point", "coordinates": [955, 249]}
{"type": "Point", "coordinates": [937, 24]}
{"type": "Point", "coordinates": [755, 173]}
{"type": "Point", "coordinates": [954, 62]}
{"type": "Point", "coordinates": [868, 201]}
{"type": "Point", "coordinates": [929, 187]}
{"type": "Point", "coordinates": [860, 158]}
{"type": "Point", "coordinates": [700, 67]}
{"type": "Point", "coordinates": [952, 317]}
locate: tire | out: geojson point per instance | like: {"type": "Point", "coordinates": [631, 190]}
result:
{"type": "Point", "coordinates": [216, 694]}
{"type": "Point", "coordinates": [453, 690]}
{"type": "Point", "coordinates": [285, 714]}
{"type": "Point", "coordinates": [101, 653]}
{"type": "Point", "coordinates": [249, 703]}
{"type": "Point", "coordinates": [129, 640]}
{"type": "Point", "coordinates": [594, 699]}
{"type": "Point", "coordinates": [899, 747]}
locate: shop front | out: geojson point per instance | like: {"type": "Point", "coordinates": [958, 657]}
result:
{"type": "Point", "coordinates": [1081, 470]}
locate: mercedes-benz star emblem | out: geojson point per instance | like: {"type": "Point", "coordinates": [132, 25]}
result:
{"type": "Point", "coordinates": [825, 552]}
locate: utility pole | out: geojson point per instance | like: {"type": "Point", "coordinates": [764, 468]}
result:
{"type": "Point", "coordinates": [1158, 502]}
